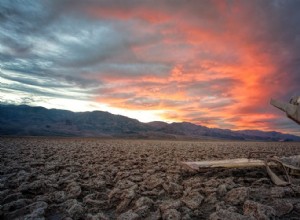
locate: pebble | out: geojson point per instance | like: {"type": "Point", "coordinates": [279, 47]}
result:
{"type": "Point", "coordinates": [237, 196]}
{"type": "Point", "coordinates": [258, 211]}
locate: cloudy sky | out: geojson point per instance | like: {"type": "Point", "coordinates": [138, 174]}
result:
{"type": "Point", "coordinates": [215, 63]}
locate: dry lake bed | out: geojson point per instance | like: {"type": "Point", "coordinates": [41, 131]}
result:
{"type": "Point", "coordinates": [85, 178]}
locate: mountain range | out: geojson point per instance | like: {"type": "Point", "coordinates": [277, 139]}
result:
{"type": "Point", "coordinates": [24, 120]}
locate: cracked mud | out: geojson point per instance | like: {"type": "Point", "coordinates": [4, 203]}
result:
{"type": "Point", "coordinates": [73, 178]}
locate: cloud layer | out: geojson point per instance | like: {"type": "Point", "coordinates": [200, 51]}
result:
{"type": "Point", "coordinates": [215, 63]}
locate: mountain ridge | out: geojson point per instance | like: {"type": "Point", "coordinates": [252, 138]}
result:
{"type": "Point", "coordinates": [27, 120]}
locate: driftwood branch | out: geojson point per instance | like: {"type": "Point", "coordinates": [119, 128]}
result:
{"type": "Point", "coordinates": [288, 165]}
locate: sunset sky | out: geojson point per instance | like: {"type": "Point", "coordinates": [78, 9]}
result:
{"type": "Point", "coordinates": [216, 63]}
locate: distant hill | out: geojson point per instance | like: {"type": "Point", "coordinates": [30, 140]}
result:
{"type": "Point", "coordinates": [38, 121]}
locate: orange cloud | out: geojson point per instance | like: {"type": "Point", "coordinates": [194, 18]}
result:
{"type": "Point", "coordinates": [218, 67]}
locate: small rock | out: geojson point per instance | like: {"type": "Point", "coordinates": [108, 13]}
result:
{"type": "Point", "coordinates": [222, 190]}
{"type": "Point", "coordinates": [220, 205]}
{"type": "Point", "coordinates": [69, 178]}
{"type": "Point", "coordinates": [228, 215]}
{"type": "Point", "coordinates": [212, 183]}
{"type": "Point", "coordinates": [223, 206]}
{"type": "Point", "coordinates": [114, 195]}
{"type": "Point", "coordinates": [125, 184]}
{"type": "Point", "coordinates": [128, 194]}
{"type": "Point", "coordinates": [73, 208]}
{"type": "Point", "coordinates": [99, 184]}
{"type": "Point", "coordinates": [296, 188]}
{"type": "Point", "coordinates": [260, 182]}
{"type": "Point", "coordinates": [151, 171]}
{"type": "Point", "coordinates": [153, 182]}
{"type": "Point", "coordinates": [154, 215]}
{"type": "Point", "coordinates": [76, 211]}
{"type": "Point", "coordinates": [281, 207]}
{"type": "Point", "coordinates": [123, 205]}
{"type": "Point", "coordinates": [127, 197]}
{"type": "Point", "coordinates": [197, 212]}
{"type": "Point", "coordinates": [173, 189]}
{"type": "Point", "coordinates": [144, 201]}
{"type": "Point", "coordinates": [186, 217]}
{"type": "Point", "coordinates": [33, 211]}
{"type": "Point", "coordinates": [187, 191]}
{"type": "Point", "coordinates": [136, 178]}
{"type": "Point", "coordinates": [37, 210]}
{"type": "Point", "coordinates": [44, 198]}
{"type": "Point", "coordinates": [153, 192]}
{"type": "Point", "coordinates": [186, 211]}
{"type": "Point", "coordinates": [170, 204]}
{"type": "Point", "coordinates": [59, 196]}
{"type": "Point", "coordinates": [129, 215]}
{"type": "Point", "coordinates": [98, 216]}
{"type": "Point", "coordinates": [258, 211]}
{"type": "Point", "coordinates": [230, 184]}
{"type": "Point", "coordinates": [162, 193]}
{"type": "Point", "coordinates": [14, 205]}
{"type": "Point", "coordinates": [297, 207]}
{"type": "Point", "coordinates": [3, 194]}
{"type": "Point", "coordinates": [96, 200]}
{"type": "Point", "coordinates": [211, 198]}
{"type": "Point", "coordinates": [280, 192]}
{"type": "Point", "coordinates": [12, 197]}
{"type": "Point", "coordinates": [193, 200]}
{"type": "Point", "coordinates": [194, 182]}
{"type": "Point", "coordinates": [208, 190]}
{"type": "Point", "coordinates": [237, 196]}
{"type": "Point", "coordinates": [35, 187]}
{"type": "Point", "coordinates": [171, 214]}
{"type": "Point", "coordinates": [142, 211]}
{"type": "Point", "coordinates": [73, 190]}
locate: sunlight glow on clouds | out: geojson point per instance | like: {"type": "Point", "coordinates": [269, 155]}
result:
{"type": "Point", "coordinates": [215, 63]}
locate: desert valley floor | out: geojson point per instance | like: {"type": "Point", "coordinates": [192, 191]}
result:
{"type": "Point", "coordinates": [85, 178]}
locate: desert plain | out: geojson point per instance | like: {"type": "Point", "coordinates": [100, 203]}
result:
{"type": "Point", "coordinates": [90, 178]}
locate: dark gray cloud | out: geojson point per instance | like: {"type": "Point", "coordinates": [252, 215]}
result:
{"type": "Point", "coordinates": [33, 81]}
{"type": "Point", "coordinates": [37, 91]}
{"type": "Point", "coordinates": [45, 37]}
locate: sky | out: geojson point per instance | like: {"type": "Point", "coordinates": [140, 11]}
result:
{"type": "Point", "coordinates": [214, 63]}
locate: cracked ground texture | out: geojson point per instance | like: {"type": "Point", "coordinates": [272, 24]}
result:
{"type": "Point", "coordinates": [89, 178]}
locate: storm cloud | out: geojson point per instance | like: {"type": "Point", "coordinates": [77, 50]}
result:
{"type": "Point", "coordinates": [215, 63]}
